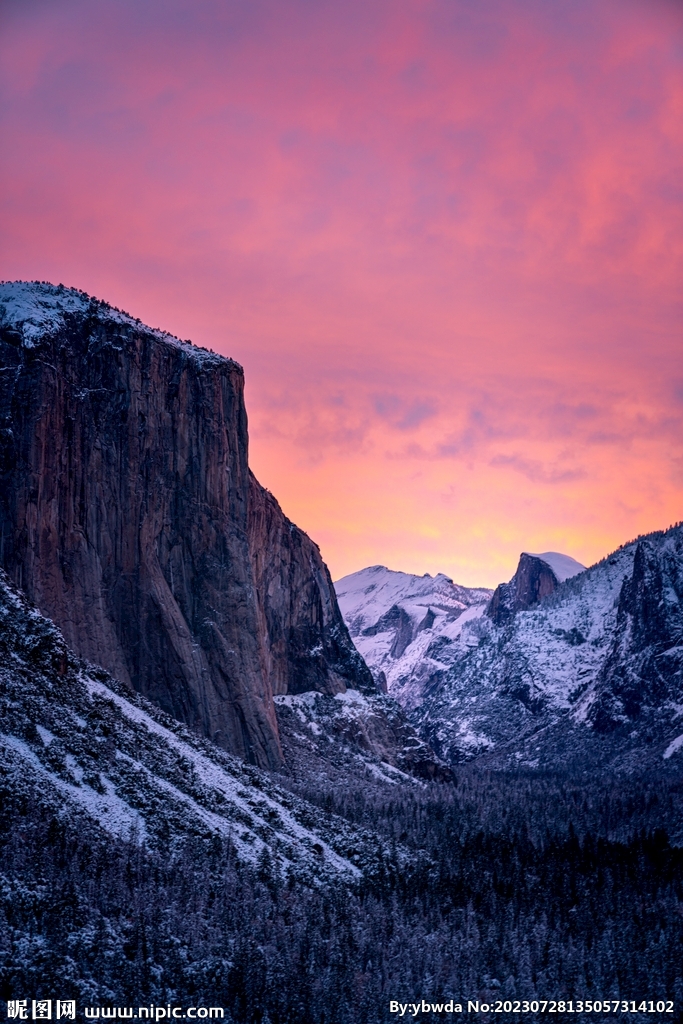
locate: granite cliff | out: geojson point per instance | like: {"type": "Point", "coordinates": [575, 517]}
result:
{"type": "Point", "coordinates": [307, 646]}
{"type": "Point", "coordinates": [536, 577]}
{"type": "Point", "coordinates": [129, 516]}
{"type": "Point", "coordinates": [644, 668]}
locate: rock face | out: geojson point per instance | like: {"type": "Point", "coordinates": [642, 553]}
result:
{"type": "Point", "coordinates": [537, 576]}
{"type": "Point", "coordinates": [644, 668]}
{"type": "Point", "coordinates": [307, 644]}
{"type": "Point", "coordinates": [353, 735]}
{"type": "Point", "coordinates": [129, 516]}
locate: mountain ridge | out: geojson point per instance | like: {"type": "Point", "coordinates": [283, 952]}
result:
{"type": "Point", "coordinates": [542, 688]}
{"type": "Point", "coordinates": [587, 670]}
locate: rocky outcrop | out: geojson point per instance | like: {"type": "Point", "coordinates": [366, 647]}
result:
{"type": "Point", "coordinates": [533, 580]}
{"type": "Point", "coordinates": [397, 620]}
{"type": "Point", "coordinates": [129, 517]}
{"type": "Point", "coordinates": [353, 735]}
{"type": "Point", "coordinates": [644, 669]}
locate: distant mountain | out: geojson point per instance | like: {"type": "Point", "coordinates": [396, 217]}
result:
{"type": "Point", "coordinates": [589, 673]}
{"type": "Point", "coordinates": [562, 666]}
{"type": "Point", "coordinates": [410, 629]}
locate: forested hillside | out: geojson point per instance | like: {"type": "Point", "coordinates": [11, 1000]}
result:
{"type": "Point", "coordinates": [500, 887]}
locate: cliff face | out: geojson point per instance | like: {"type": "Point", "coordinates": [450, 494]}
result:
{"type": "Point", "coordinates": [307, 647]}
{"type": "Point", "coordinates": [644, 670]}
{"type": "Point", "coordinates": [126, 513]}
{"type": "Point", "coordinates": [533, 580]}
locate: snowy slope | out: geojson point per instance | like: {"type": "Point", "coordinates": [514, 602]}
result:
{"type": "Point", "coordinates": [409, 629]}
{"type": "Point", "coordinates": [367, 736]}
{"type": "Point", "coordinates": [111, 760]}
{"type": "Point", "coordinates": [30, 310]}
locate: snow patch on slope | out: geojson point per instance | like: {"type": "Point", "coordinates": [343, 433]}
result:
{"type": "Point", "coordinates": [109, 810]}
{"type": "Point", "coordinates": [564, 566]}
{"type": "Point", "coordinates": [673, 747]}
{"type": "Point", "coordinates": [219, 780]}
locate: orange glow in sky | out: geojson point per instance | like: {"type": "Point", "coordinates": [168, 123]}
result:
{"type": "Point", "coordinates": [444, 238]}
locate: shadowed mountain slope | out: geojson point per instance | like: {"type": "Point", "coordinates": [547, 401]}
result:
{"type": "Point", "coordinates": [111, 763]}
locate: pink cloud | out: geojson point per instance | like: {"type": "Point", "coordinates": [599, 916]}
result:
{"type": "Point", "coordinates": [443, 238]}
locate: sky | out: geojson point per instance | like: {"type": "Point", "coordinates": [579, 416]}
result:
{"type": "Point", "coordinates": [443, 237]}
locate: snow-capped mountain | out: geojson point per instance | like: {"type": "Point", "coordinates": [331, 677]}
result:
{"type": "Point", "coordinates": [561, 665]}
{"type": "Point", "coordinates": [591, 672]}
{"type": "Point", "coordinates": [410, 629]}
{"type": "Point", "coordinates": [564, 566]}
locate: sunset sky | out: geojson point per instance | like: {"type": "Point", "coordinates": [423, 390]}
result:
{"type": "Point", "coordinates": [443, 237]}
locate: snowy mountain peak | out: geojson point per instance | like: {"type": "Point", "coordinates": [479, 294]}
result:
{"type": "Point", "coordinates": [387, 586]}
{"type": "Point", "coordinates": [536, 577]}
{"type": "Point", "coordinates": [598, 655]}
{"type": "Point", "coordinates": [409, 628]}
